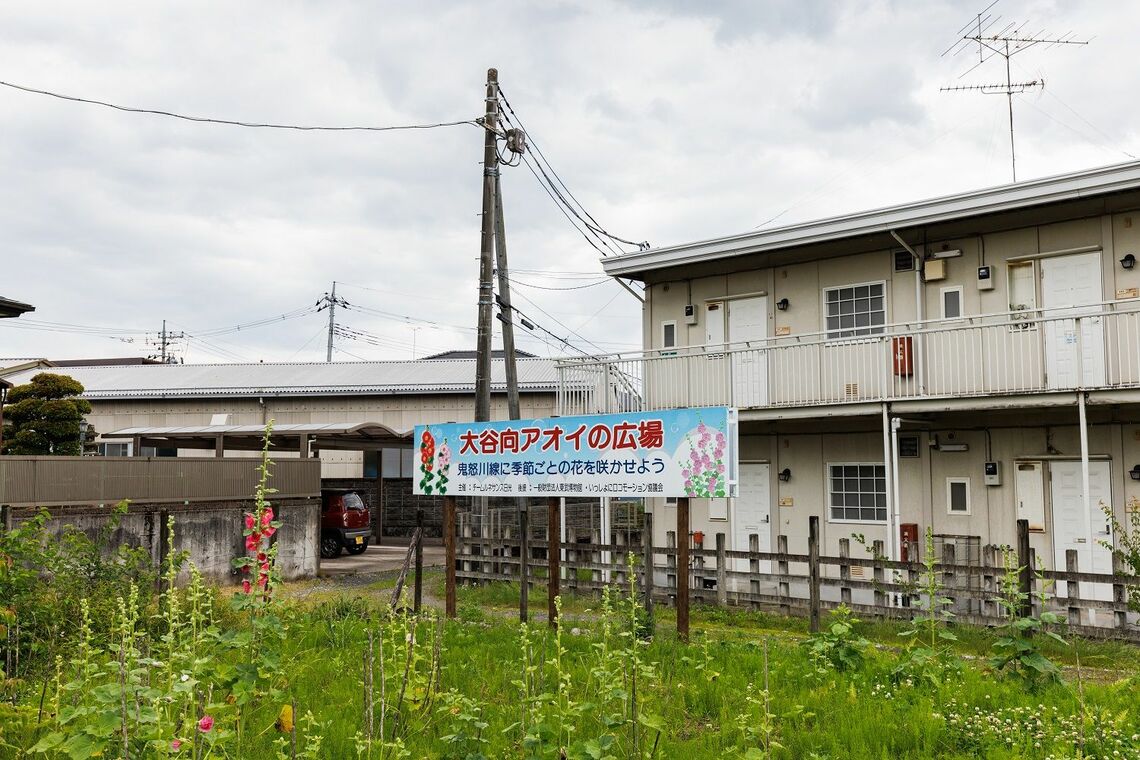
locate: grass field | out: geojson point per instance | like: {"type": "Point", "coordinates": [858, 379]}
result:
{"type": "Point", "coordinates": [476, 687]}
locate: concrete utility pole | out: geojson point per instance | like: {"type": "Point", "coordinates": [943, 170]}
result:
{"type": "Point", "coordinates": [506, 315]}
{"type": "Point", "coordinates": [487, 240]}
{"type": "Point", "coordinates": [332, 321]}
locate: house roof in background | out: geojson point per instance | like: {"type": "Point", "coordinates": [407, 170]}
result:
{"type": "Point", "coordinates": [10, 308]}
{"type": "Point", "coordinates": [878, 223]}
{"type": "Point", "coordinates": [496, 353]}
{"type": "Point", "coordinates": [301, 378]}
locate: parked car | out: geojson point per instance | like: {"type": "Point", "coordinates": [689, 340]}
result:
{"type": "Point", "coordinates": [346, 523]}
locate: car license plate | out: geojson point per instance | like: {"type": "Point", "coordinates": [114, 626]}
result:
{"type": "Point", "coordinates": [360, 539]}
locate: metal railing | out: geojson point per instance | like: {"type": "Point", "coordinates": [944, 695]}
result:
{"type": "Point", "coordinates": [43, 481]}
{"type": "Point", "coordinates": [1022, 352]}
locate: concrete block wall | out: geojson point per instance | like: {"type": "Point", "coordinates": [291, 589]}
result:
{"type": "Point", "coordinates": [211, 532]}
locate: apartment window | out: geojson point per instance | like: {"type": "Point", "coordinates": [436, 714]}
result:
{"type": "Point", "coordinates": [952, 302]}
{"type": "Point", "coordinates": [669, 334]}
{"type": "Point", "coordinates": [908, 446]}
{"type": "Point", "coordinates": [958, 496]}
{"type": "Point", "coordinates": [858, 492]}
{"type": "Point", "coordinates": [855, 310]}
{"type": "Point", "coordinates": [114, 449]}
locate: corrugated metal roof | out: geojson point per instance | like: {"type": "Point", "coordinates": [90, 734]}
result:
{"type": "Point", "coordinates": [301, 379]}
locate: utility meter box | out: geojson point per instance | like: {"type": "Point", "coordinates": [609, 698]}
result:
{"type": "Point", "coordinates": [993, 473]}
{"type": "Point", "coordinates": [690, 314]}
{"type": "Point", "coordinates": [985, 278]}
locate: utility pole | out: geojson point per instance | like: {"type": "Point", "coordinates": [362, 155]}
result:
{"type": "Point", "coordinates": [332, 321]}
{"type": "Point", "coordinates": [486, 287]}
{"type": "Point", "coordinates": [163, 342]}
{"type": "Point", "coordinates": [1007, 41]}
{"type": "Point", "coordinates": [506, 315]}
{"type": "Point", "coordinates": [162, 351]}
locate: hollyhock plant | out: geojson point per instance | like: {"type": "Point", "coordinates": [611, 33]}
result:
{"type": "Point", "coordinates": [704, 467]}
{"type": "Point", "coordinates": [205, 724]}
{"type": "Point", "coordinates": [258, 527]}
{"type": "Point", "coordinates": [427, 461]}
{"type": "Point", "coordinates": [443, 462]}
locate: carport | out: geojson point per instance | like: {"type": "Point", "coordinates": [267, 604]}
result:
{"type": "Point", "coordinates": [307, 439]}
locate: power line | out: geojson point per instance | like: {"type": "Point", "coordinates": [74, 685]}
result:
{"type": "Point", "coordinates": [530, 139]}
{"type": "Point", "coordinates": [571, 287]}
{"type": "Point", "coordinates": [234, 123]}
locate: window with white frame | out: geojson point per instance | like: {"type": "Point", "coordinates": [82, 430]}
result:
{"type": "Point", "coordinates": [669, 334]}
{"type": "Point", "coordinates": [854, 310]}
{"type": "Point", "coordinates": [952, 302]}
{"type": "Point", "coordinates": [958, 496]}
{"type": "Point", "coordinates": [858, 492]}
{"type": "Point", "coordinates": [114, 449]}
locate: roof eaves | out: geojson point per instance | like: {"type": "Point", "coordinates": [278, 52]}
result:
{"type": "Point", "coordinates": [1071, 186]}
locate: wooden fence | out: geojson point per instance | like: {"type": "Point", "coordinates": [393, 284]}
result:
{"type": "Point", "coordinates": [1094, 604]}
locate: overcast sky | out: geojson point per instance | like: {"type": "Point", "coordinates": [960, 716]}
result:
{"type": "Point", "coordinates": [671, 121]}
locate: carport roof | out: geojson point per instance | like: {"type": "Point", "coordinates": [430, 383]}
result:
{"type": "Point", "coordinates": [351, 436]}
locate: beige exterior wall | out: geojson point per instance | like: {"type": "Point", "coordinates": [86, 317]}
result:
{"type": "Point", "coordinates": [802, 284]}
{"type": "Point", "coordinates": [922, 483]}
{"type": "Point", "coordinates": [397, 412]}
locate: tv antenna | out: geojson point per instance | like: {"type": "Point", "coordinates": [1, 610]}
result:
{"type": "Point", "coordinates": [995, 38]}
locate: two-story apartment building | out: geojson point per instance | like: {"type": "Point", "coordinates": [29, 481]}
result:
{"type": "Point", "coordinates": [959, 363]}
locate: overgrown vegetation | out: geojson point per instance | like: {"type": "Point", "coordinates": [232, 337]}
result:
{"type": "Point", "coordinates": [138, 666]}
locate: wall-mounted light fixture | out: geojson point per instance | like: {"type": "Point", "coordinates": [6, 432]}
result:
{"type": "Point", "coordinates": [782, 304]}
{"type": "Point", "coordinates": [1128, 261]}
{"type": "Point", "coordinates": [1134, 473]}
{"type": "Point", "coordinates": [785, 475]}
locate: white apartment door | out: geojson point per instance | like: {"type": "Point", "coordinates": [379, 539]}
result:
{"type": "Point", "coordinates": [752, 509]}
{"type": "Point", "coordinates": [748, 323]}
{"type": "Point", "coordinates": [1029, 485]}
{"type": "Point", "coordinates": [1071, 287]}
{"type": "Point", "coordinates": [1070, 528]}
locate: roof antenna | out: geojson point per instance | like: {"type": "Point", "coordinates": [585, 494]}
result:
{"type": "Point", "coordinates": [994, 38]}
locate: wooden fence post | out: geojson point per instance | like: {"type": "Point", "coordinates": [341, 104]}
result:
{"type": "Point", "coordinates": [783, 588]}
{"type": "Point", "coordinates": [671, 563]}
{"type": "Point", "coordinates": [754, 567]}
{"type": "Point", "coordinates": [878, 574]}
{"type": "Point", "coordinates": [449, 553]}
{"type": "Point", "coordinates": [553, 557]}
{"type": "Point", "coordinates": [1024, 578]}
{"type": "Point", "coordinates": [721, 572]}
{"type": "Point", "coordinates": [813, 572]}
{"type": "Point", "coordinates": [683, 568]}
{"type": "Point", "coordinates": [1073, 588]}
{"type": "Point", "coordinates": [845, 571]}
{"type": "Point", "coordinates": [989, 582]}
{"type": "Point", "coordinates": [524, 563]}
{"type": "Point", "coordinates": [647, 561]}
{"type": "Point", "coordinates": [419, 581]}
{"type": "Point", "coordinates": [1119, 593]}
{"type": "Point", "coordinates": [949, 577]}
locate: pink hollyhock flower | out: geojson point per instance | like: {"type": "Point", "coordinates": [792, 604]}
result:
{"type": "Point", "coordinates": [695, 457]}
{"type": "Point", "coordinates": [176, 745]}
{"type": "Point", "coordinates": [444, 457]}
{"type": "Point", "coordinates": [718, 453]}
{"type": "Point", "coordinates": [205, 724]}
{"type": "Point", "coordinates": [269, 531]}
{"type": "Point", "coordinates": [249, 521]}
{"type": "Point", "coordinates": [701, 428]}
{"type": "Point", "coordinates": [720, 468]}
{"type": "Point", "coordinates": [252, 541]}
{"type": "Point", "coordinates": [685, 473]}
{"type": "Point", "coordinates": [246, 586]}
{"type": "Point", "coordinates": [720, 439]}
{"type": "Point", "coordinates": [267, 517]}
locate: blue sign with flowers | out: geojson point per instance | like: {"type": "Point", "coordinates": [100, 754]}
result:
{"type": "Point", "coordinates": [668, 453]}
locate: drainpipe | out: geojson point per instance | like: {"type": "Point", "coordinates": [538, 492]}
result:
{"type": "Point", "coordinates": [1085, 491]}
{"type": "Point", "coordinates": [888, 461]}
{"type": "Point", "coordinates": [896, 423]}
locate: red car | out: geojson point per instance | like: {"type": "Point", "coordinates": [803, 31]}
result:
{"type": "Point", "coordinates": [346, 523]}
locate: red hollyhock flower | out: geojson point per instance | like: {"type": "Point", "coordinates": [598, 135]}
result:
{"type": "Point", "coordinates": [205, 724]}
{"type": "Point", "coordinates": [267, 517]}
{"type": "Point", "coordinates": [252, 541]}
{"type": "Point", "coordinates": [245, 585]}
{"type": "Point", "coordinates": [250, 521]}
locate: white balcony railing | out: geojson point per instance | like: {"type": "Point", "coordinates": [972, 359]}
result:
{"type": "Point", "coordinates": [1034, 351]}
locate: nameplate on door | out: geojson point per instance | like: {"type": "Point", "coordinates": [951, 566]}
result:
{"type": "Point", "coordinates": [1082, 540]}
{"type": "Point", "coordinates": [787, 501]}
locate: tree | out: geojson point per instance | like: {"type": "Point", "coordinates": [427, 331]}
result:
{"type": "Point", "coordinates": [45, 416]}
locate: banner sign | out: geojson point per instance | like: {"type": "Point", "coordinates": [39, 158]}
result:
{"type": "Point", "coordinates": [670, 453]}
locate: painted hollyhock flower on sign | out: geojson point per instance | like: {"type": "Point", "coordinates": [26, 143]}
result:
{"type": "Point", "coordinates": [703, 465]}
{"type": "Point", "coordinates": [427, 461]}
{"type": "Point", "coordinates": [443, 462]}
